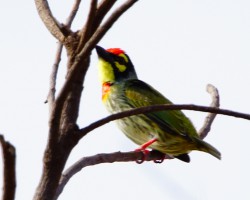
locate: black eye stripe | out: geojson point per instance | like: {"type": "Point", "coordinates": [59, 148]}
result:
{"type": "Point", "coordinates": [121, 60]}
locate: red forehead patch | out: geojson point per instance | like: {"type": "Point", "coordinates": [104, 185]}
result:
{"type": "Point", "coordinates": [115, 51]}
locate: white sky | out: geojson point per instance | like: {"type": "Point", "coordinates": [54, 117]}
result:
{"type": "Point", "coordinates": [178, 46]}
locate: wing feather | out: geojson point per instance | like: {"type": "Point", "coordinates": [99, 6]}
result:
{"type": "Point", "coordinates": [140, 94]}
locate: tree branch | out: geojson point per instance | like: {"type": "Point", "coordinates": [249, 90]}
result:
{"type": "Point", "coordinates": [91, 16]}
{"type": "Point", "coordinates": [53, 75]}
{"type": "Point", "coordinates": [103, 8]}
{"type": "Point", "coordinates": [87, 29]}
{"type": "Point", "coordinates": [73, 12]}
{"type": "Point", "coordinates": [105, 158]}
{"type": "Point", "coordinates": [52, 91]}
{"type": "Point", "coordinates": [48, 19]}
{"type": "Point", "coordinates": [154, 108]}
{"type": "Point", "coordinates": [211, 116]}
{"type": "Point", "coordinates": [9, 164]}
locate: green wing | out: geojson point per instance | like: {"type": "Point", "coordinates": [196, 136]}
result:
{"type": "Point", "coordinates": [140, 94]}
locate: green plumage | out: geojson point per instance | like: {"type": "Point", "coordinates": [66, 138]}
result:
{"type": "Point", "coordinates": [174, 132]}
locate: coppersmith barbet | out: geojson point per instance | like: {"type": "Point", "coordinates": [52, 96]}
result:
{"type": "Point", "coordinates": [169, 132]}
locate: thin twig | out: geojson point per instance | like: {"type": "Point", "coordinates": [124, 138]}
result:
{"type": "Point", "coordinates": [102, 9]}
{"type": "Point", "coordinates": [211, 116]}
{"type": "Point", "coordinates": [87, 29]}
{"type": "Point", "coordinates": [9, 167]}
{"type": "Point", "coordinates": [104, 158]}
{"type": "Point", "coordinates": [91, 15]}
{"type": "Point", "coordinates": [154, 108]}
{"type": "Point", "coordinates": [48, 19]}
{"type": "Point", "coordinates": [73, 12]}
{"type": "Point", "coordinates": [51, 96]}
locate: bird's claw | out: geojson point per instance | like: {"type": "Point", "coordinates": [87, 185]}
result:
{"type": "Point", "coordinates": [145, 152]}
{"type": "Point", "coordinates": [159, 161]}
{"type": "Point", "coordinates": [161, 155]}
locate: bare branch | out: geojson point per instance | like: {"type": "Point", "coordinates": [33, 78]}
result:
{"type": "Point", "coordinates": [105, 158]}
{"type": "Point", "coordinates": [51, 96]}
{"type": "Point", "coordinates": [211, 116]}
{"type": "Point", "coordinates": [48, 19]}
{"type": "Point", "coordinates": [73, 13]}
{"type": "Point", "coordinates": [9, 165]}
{"type": "Point", "coordinates": [91, 16]}
{"type": "Point", "coordinates": [154, 108]}
{"type": "Point", "coordinates": [53, 75]}
{"type": "Point", "coordinates": [102, 10]}
{"type": "Point", "coordinates": [87, 29]}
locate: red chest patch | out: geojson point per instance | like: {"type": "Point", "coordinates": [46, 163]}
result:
{"type": "Point", "coordinates": [105, 90]}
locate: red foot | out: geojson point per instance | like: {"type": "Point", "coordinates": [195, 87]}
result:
{"type": "Point", "coordinates": [145, 145]}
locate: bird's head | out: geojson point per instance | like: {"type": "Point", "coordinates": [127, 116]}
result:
{"type": "Point", "coordinates": [114, 65]}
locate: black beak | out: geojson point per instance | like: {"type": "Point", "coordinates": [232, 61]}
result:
{"type": "Point", "coordinates": [102, 53]}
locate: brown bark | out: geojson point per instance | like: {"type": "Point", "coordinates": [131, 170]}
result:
{"type": "Point", "coordinates": [9, 168]}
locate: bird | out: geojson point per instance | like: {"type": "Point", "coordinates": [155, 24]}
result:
{"type": "Point", "coordinates": [168, 132]}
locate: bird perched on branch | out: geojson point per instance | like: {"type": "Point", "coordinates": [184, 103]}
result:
{"type": "Point", "coordinates": [169, 132]}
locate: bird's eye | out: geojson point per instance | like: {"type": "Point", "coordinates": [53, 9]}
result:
{"type": "Point", "coordinates": [121, 62]}
{"type": "Point", "coordinates": [123, 59]}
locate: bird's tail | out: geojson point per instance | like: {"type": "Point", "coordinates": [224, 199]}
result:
{"type": "Point", "coordinates": [208, 148]}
